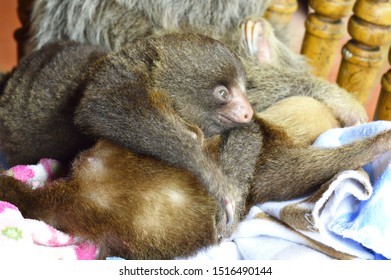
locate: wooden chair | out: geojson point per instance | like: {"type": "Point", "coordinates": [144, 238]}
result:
{"type": "Point", "coordinates": [383, 110]}
{"type": "Point", "coordinates": [363, 56]}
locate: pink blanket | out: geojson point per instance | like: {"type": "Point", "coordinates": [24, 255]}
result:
{"type": "Point", "coordinates": [22, 238]}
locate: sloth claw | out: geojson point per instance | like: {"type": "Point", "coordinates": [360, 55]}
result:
{"type": "Point", "coordinates": [254, 39]}
{"type": "Point", "coordinates": [251, 31]}
{"type": "Point", "coordinates": [229, 211]}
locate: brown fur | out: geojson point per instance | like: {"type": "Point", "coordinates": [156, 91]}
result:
{"type": "Point", "coordinates": [140, 208]}
{"type": "Point", "coordinates": [144, 98]}
{"type": "Point", "coordinates": [164, 207]}
{"type": "Point", "coordinates": [302, 128]}
{"type": "Point", "coordinates": [3, 79]}
{"type": "Point", "coordinates": [117, 23]}
{"type": "Point", "coordinates": [269, 81]}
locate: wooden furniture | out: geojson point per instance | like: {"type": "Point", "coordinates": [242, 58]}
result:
{"type": "Point", "coordinates": [281, 11]}
{"type": "Point", "coordinates": [383, 111]}
{"type": "Point", "coordinates": [363, 55]}
{"type": "Point", "coordinates": [324, 31]}
{"type": "Point", "coordinates": [369, 25]}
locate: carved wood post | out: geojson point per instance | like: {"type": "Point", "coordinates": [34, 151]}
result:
{"type": "Point", "coordinates": [324, 30]}
{"type": "Point", "coordinates": [383, 110]}
{"type": "Point", "coordinates": [280, 11]}
{"type": "Point", "coordinates": [362, 56]}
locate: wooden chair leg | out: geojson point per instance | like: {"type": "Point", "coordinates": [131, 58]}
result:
{"type": "Point", "coordinates": [383, 110]}
{"type": "Point", "coordinates": [280, 11]}
{"type": "Point", "coordinates": [362, 56]}
{"type": "Point", "coordinates": [324, 31]}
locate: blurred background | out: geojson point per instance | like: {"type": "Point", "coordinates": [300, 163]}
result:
{"type": "Point", "coordinates": [8, 24]}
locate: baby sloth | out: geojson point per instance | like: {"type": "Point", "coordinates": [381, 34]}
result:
{"type": "Point", "coordinates": [138, 207]}
{"type": "Point", "coordinates": [148, 98]}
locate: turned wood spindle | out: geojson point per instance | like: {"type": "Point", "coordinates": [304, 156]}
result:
{"type": "Point", "coordinates": [324, 31]}
{"type": "Point", "coordinates": [280, 12]}
{"type": "Point", "coordinates": [383, 110]}
{"type": "Point", "coordinates": [362, 56]}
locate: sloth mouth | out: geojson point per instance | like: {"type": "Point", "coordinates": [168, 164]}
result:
{"type": "Point", "coordinates": [226, 120]}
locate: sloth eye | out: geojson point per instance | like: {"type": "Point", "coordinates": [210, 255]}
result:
{"type": "Point", "coordinates": [223, 93]}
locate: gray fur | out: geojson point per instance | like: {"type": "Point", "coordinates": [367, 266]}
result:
{"type": "Point", "coordinates": [111, 22]}
{"type": "Point", "coordinates": [116, 23]}
{"type": "Point", "coordinates": [143, 98]}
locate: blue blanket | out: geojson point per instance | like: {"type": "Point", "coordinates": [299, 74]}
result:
{"type": "Point", "coordinates": [367, 222]}
{"type": "Point", "coordinates": [348, 217]}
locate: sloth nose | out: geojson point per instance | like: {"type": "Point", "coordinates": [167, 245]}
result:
{"type": "Point", "coordinates": [248, 115]}
{"type": "Point", "coordinates": [244, 113]}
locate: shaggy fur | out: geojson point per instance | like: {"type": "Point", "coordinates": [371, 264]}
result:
{"type": "Point", "coordinates": [140, 208]}
{"type": "Point", "coordinates": [112, 23]}
{"type": "Point", "coordinates": [116, 23]}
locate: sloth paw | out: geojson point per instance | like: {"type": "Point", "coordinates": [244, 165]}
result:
{"type": "Point", "coordinates": [253, 33]}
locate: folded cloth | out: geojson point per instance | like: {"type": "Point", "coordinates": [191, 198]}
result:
{"type": "Point", "coordinates": [22, 238]}
{"type": "Point", "coordinates": [262, 237]}
{"type": "Point", "coordinates": [367, 221]}
{"type": "Point", "coordinates": [348, 217]}
{"type": "Point", "coordinates": [311, 215]}
{"type": "Point", "coordinates": [37, 175]}
{"type": "Point", "coordinates": [351, 212]}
